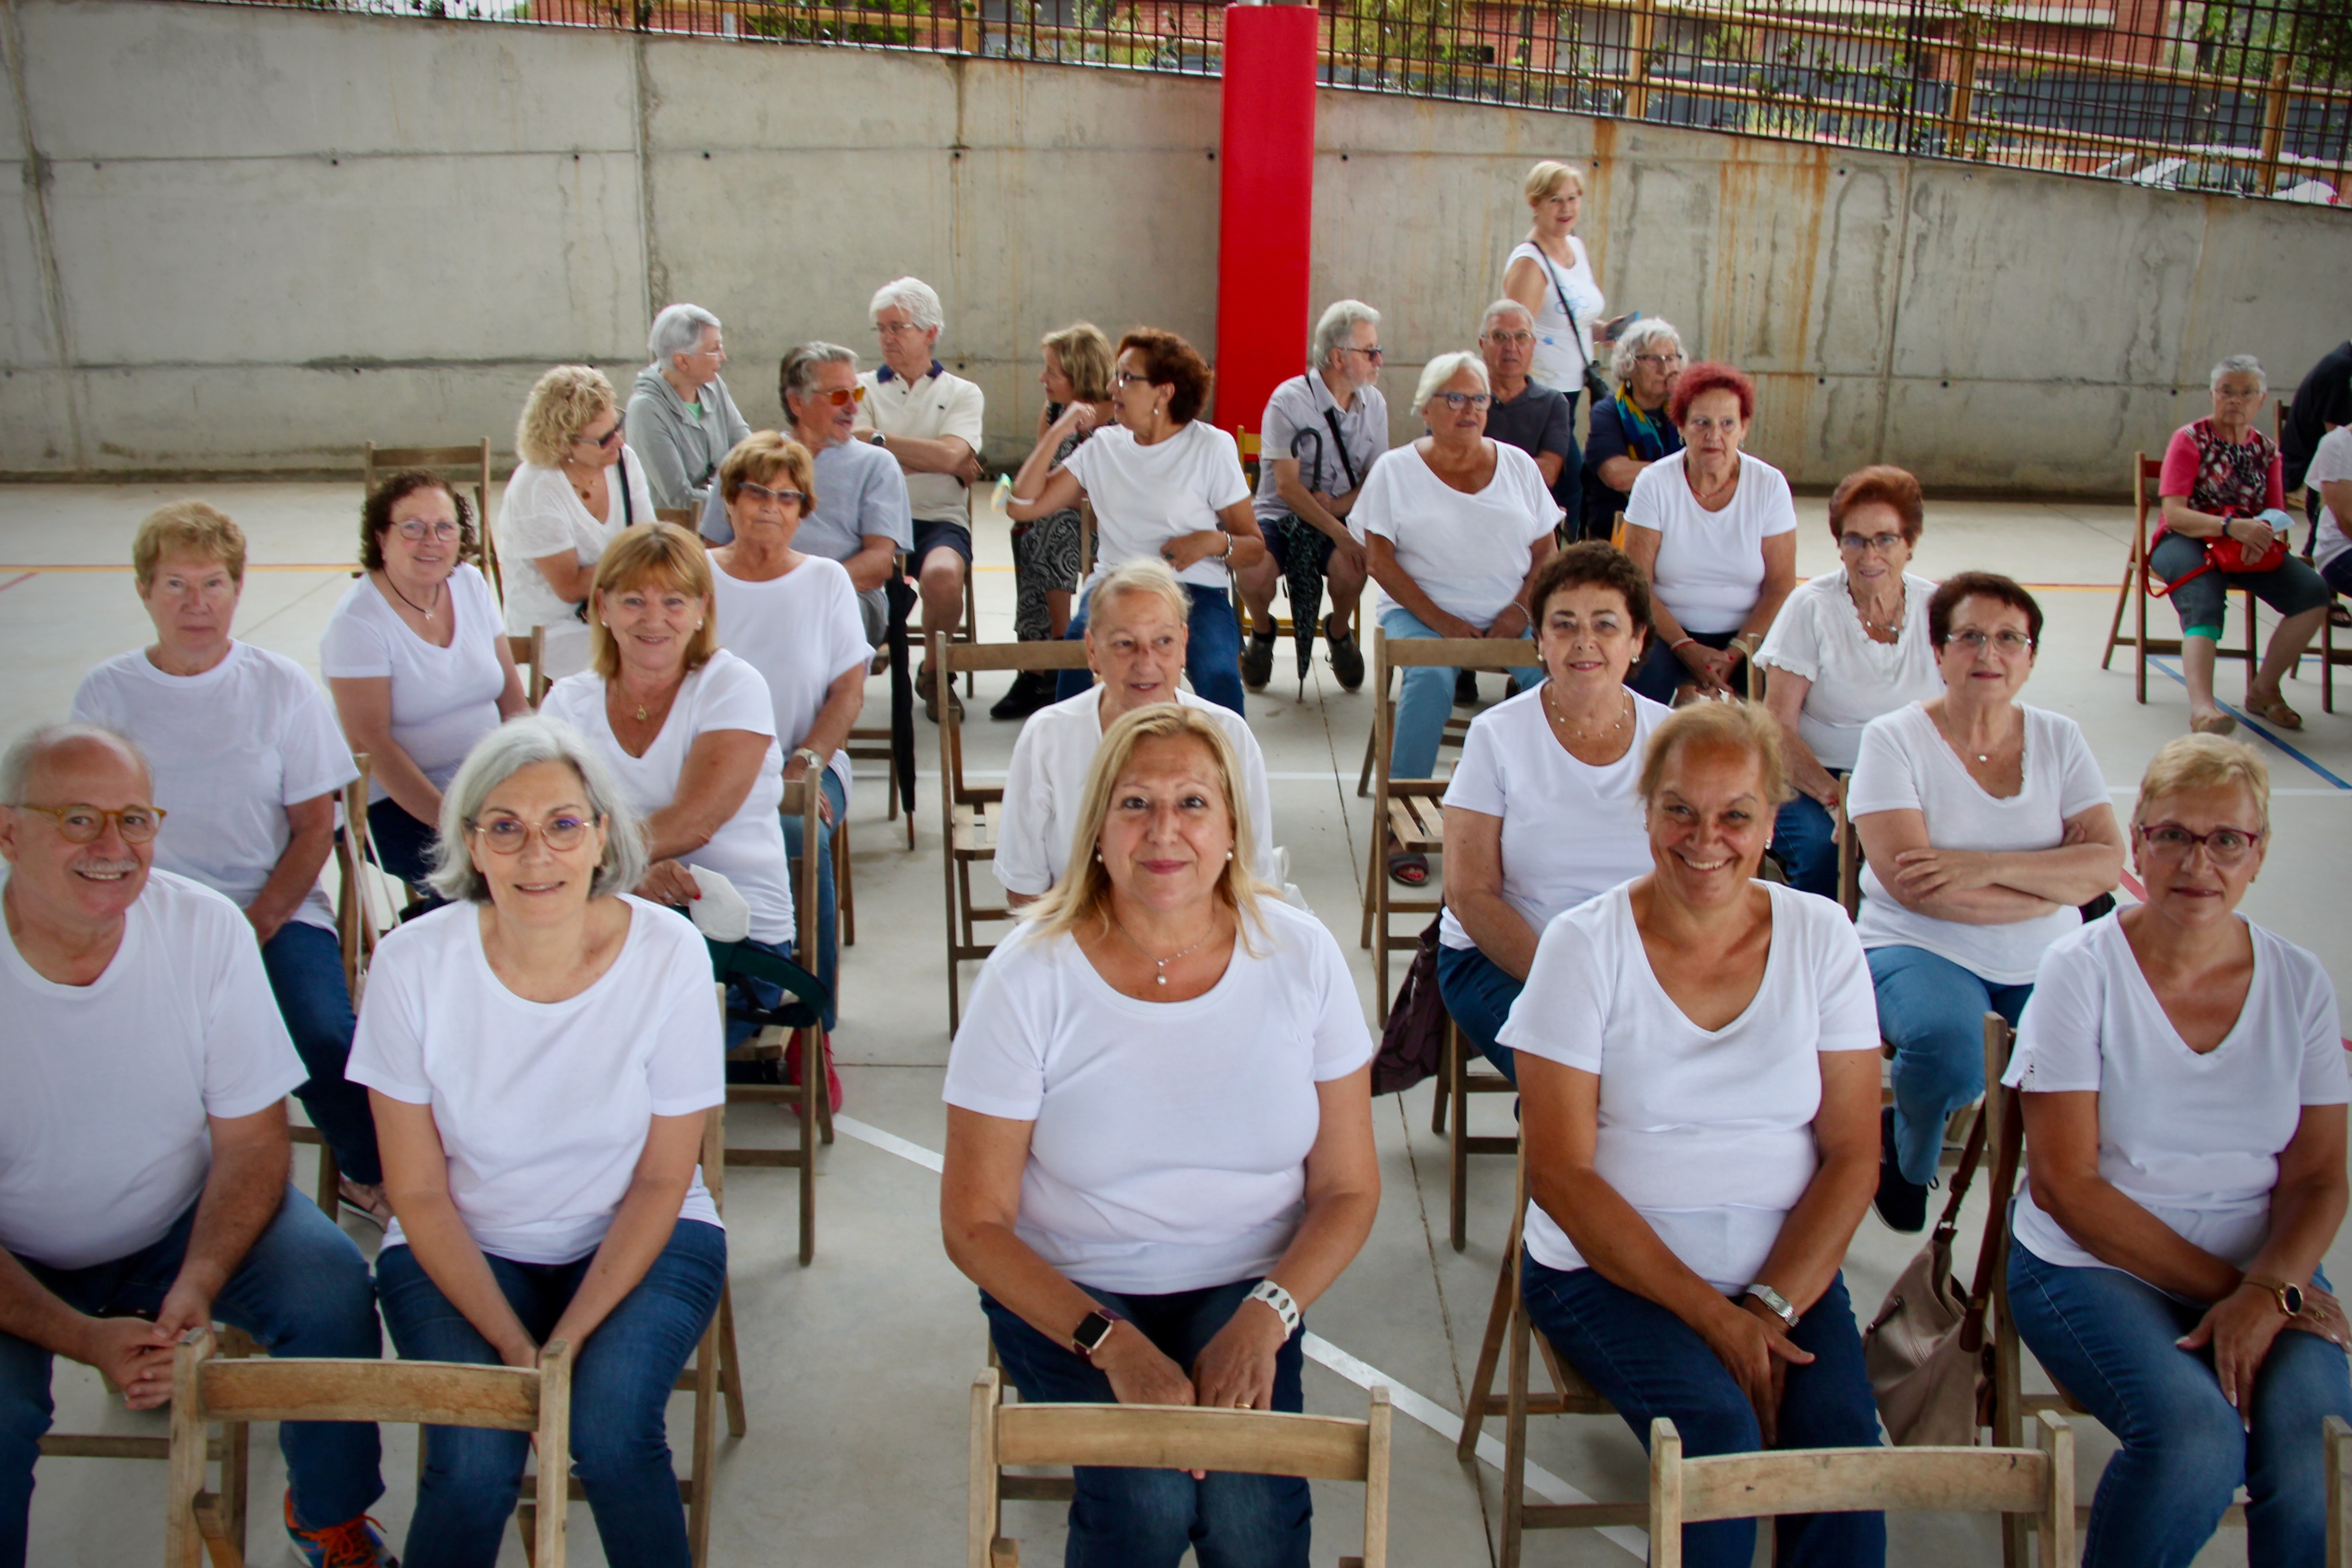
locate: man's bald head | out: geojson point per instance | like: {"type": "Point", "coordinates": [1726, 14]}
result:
{"type": "Point", "coordinates": [72, 747]}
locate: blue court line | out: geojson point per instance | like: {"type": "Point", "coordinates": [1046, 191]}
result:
{"type": "Point", "coordinates": [2258, 730]}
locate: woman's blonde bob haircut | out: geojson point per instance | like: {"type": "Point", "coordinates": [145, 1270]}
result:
{"type": "Point", "coordinates": [1720, 726]}
{"type": "Point", "coordinates": [561, 403]}
{"type": "Point", "coordinates": [1084, 892]}
{"type": "Point", "coordinates": [759, 458]}
{"type": "Point", "coordinates": [1548, 176]}
{"type": "Point", "coordinates": [1148, 575]}
{"type": "Point", "coordinates": [662, 555]}
{"type": "Point", "coordinates": [1086, 357]}
{"type": "Point", "coordinates": [187, 528]}
{"type": "Point", "coordinates": [498, 757]}
{"type": "Point", "coordinates": [2189, 762]}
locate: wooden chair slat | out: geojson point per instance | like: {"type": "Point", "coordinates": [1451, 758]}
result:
{"type": "Point", "coordinates": [1321, 1448]}
{"type": "Point", "coordinates": [443, 1393]}
{"type": "Point", "coordinates": [1846, 1480]}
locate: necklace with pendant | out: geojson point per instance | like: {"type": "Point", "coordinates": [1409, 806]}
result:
{"type": "Point", "coordinates": [1160, 977]}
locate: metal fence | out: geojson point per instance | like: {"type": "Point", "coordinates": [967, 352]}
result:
{"type": "Point", "coordinates": [2247, 98]}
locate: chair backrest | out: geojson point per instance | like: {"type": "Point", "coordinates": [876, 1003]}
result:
{"type": "Point", "coordinates": [530, 657]}
{"type": "Point", "coordinates": [1849, 848]}
{"type": "Point", "coordinates": [1392, 654]}
{"type": "Point", "coordinates": [684, 516]}
{"type": "Point", "coordinates": [800, 799]}
{"type": "Point", "coordinates": [355, 923]}
{"type": "Point", "coordinates": [2037, 1480]}
{"type": "Point", "coordinates": [1174, 1436]}
{"type": "Point", "coordinates": [469, 465]}
{"type": "Point", "coordinates": [206, 1387]}
{"type": "Point", "coordinates": [1617, 531]}
{"type": "Point", "coordinates": [950, 660]}
{"type": "Point", "coordinates": [2148, 473]}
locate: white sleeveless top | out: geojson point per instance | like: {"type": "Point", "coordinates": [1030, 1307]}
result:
{"type": "Point", "coordinates": [1561, 351]}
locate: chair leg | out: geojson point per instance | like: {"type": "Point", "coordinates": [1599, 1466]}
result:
{"type": "Point", "coordinates": [1364, 778]}
{"type": "Point", "coordinates": [730, 1365]}
{"type": "Point", "coordinates": [1457, 1067]}
{"type": "Point", "coordinates": [2137, 587]}
{"type": "Point", "coordinates": [1444, 1086]}
{"type": "Point", "coordinates": [812, 1094]}
{"type": "Point", "coordinates": [845, 888]}
{"type": "Point", "coordinates": [1514, 1445]}
{"type": "Point", "coordinates": [2328, 659]}
{"type": "Point", "coordinates": [706, 1441]}
{"type": "Point", "coordinates": [2116, 621]}
{"type": "Point", "coordinates": [331, 1182]}
{"type": "Point", "coordinates": [1490, 1352]}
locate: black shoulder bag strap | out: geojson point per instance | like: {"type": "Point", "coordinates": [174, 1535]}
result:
{"type": "Point", "coordinates": [1347, 464]}
{"type": "Point", "coordinates": [628, 507]}
{"type": "Point", "coordinates": [1567, 310]}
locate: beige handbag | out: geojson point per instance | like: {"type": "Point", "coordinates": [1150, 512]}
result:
{"type": "Point", "coordinates": [1928, 1355]}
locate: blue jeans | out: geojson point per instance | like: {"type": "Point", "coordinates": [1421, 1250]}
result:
{"type": "Point", "coordinates": [1647, 1362]}
{"type": "Point", "coordinates": [404, 846]}
{"type": "Point", "coordinates": [1146, 1518]}
{"type": "Point", "coordinates": [621, 1381]}
{"type": "Point", "coordinates": [1804, 838]}
{"type": "Point", "coordinates": [1424, 701]}
{"type": "Point", "coordinates": [828, 947]}
{"type": "Point", "coordinates": [1212, 652]}
{"type": "Point", "coordinates": [1478, 993]}
{"type": "Point", "coordinates": [1932, 1011]}
{"type": "Point", "coordinates": [301, 1289]}
{"type": "Point", "coordinates": [306, 972]}
{"type": "Point", "coordinates": [2108, 1338]}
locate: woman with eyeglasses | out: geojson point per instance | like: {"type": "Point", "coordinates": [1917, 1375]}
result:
{"type": "Point", "coordinates": [1161, 483]}
{"type": "Point", "coordinates": [1847, 646]}
{"type": "Point", "coordinates": [1985, 826]}
{"type": "Point", "coordinates": [417, 662]}
{"type": "Point", "coordinates": [564, 504]}
{"type": "Point", "coordinates": [1631, 431]}
{"type": "Point", "coordinates": [542, 1054]}
{"type": "Point", "coordinates": [1716, 531]}
{"type": "Point", "coordinates": [2184, 1087]}
{"type": "Point", "coordinates": [793, 617]}
{"type": "Point", "coordinates": [1455, 526]}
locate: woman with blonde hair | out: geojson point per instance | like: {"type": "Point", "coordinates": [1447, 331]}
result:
{"type": "Point", "coordinates": [2184, 1093]}
{"type": "Point", "coordinates": [1550, 273]}
{"type": "Point", "coordinates": [1047, 550]}
{"type": "Point", "coordinates": [564, 504]}
{"type": "Point", "coordinates": [1159, 1141]}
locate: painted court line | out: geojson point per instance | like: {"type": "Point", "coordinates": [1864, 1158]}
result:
{"type": "Point", "coordinates": [1364, 1375]}
{"type": "Point", "coordinates": [13, 580]}
{"type": "Point", "coordinates": [2252, 725]}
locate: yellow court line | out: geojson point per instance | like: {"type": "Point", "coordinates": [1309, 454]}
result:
{"type": "Point", "coordinates": [250, 566]}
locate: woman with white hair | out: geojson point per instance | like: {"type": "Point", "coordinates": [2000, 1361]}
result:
{"type": "Point", "coordinates": [1631, 431]}
{"type": "Point", "coordinates": [541, 1052]}
{"type": "Point", "coordinates": [1455, 526]}
{"type": "Point", "coordinates": [679, 407]}
{"type": "Point", "coordinates": [2225, 526]}
{"type": "Point", "coordinates": [577, 487]}
{"type": "Point", "coordinates": [1159, 1139]}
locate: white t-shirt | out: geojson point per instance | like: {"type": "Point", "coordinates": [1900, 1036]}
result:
{"type": "Point", "coordinates": [937, 406]}
{"type": "Point", "coordinates": [443, 698]}
{"type": "Point", "coordinates": [105, 1087]}
{"type": "Point", "coordinates": [2194, 1140]}
{"type": "Point", "coordinates": [802, 631]}
{"type": "Point", "coordinates": [1709, 1136]}
{"type": "Point", "coordinates": [543, 1108]}
{"type": "Point", "coordinates": [1171, 1138]}
{"type": "Point", "coordinates": [1145, 496]}
{"type": "Point", "coordinates": [725, 694]}
{"type": "Point", "coordinates": [232, 749]}
{"type": "Point", "coordinates": [2331, 460]}
{"type": "Point", "coordinates": [1571, 831]}
{"type": "Point", "coordinates": [542, 515]}
{"type": "Point", "coordinates": [1561, 351]}
{"type": "Point", "coordinates": [1818, 636]}
{"type": "Point", "coordinates": [1469, 552]}
{"type": "Point", "coordinates": [1045, 789]}
{"type": "Point", "coordinates": [1710, 567]}
{"type": "Point", "coordinates": [1906, 765]}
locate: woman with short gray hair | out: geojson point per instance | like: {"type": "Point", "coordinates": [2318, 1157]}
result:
{"type": "Point", "coordinates": [2224, 517]}
{"type": "Point", "coordinates": [1631, 431]}
{"type": "Point", "coordinates": [680, 414]}
{"type": "Point", "coordinates": [542, 1053]}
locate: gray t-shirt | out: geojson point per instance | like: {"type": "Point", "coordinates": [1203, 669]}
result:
{"type": "Point", "coordinates": [1296, 408]}
{"type": "Point", "coordinates": [859, 491]}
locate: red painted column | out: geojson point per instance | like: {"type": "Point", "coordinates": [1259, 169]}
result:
{"type": "Point", "coordinates": [1265, 213]}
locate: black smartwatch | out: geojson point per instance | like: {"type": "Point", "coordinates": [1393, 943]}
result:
{"type": "Point", "coordinates": [1092, 1330]}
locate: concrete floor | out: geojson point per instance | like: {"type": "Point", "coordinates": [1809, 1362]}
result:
{"type": "Point", "coordinates": [858, 1366]}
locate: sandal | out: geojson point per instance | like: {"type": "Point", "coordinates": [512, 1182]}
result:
{"type": "Point", "coordinates": [2213, 724]}
{"type": "Point", "coordinates": [1409, 867]}
{"type": "Point", "coordinates": [2276, 712]}
{"type": "Point", "coordinates": [368, 1202]}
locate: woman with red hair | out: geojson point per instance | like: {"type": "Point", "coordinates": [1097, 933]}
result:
{"type": "Point", "coordinates": [1716, 531]}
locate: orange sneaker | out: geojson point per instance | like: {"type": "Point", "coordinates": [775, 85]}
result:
{"type": "Point", "coordinates": [353, 1543]}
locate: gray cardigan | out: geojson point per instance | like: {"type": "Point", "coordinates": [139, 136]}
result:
{"type": "Point", "coordinates": [681, 452]}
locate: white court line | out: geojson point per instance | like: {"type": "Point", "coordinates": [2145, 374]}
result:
{"type": "Point", "coordinates": [1364, 1375]}
{"type": "Point", "coordinates": [2275, 789]}
{"type": "Point", "coordinates": [1326, 776]}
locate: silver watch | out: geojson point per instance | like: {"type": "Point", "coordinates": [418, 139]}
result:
{"type": "Point", "coordinates": [1774, 1300]}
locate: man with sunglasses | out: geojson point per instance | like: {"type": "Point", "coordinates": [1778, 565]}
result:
{"type": "Point", "coordinates": [142, 1108]}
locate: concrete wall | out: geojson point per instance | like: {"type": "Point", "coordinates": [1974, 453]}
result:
{"type": "Point", "coordinates": [249, 239]}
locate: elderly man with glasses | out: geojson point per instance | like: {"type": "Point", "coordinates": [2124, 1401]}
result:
{"type": "Point", "coordinates": [1527, 414]}
{"type": "Point", "coordinates": [859, 514]}
{"type": "Point", "coordinates": [1322, 432]}
{"type": "Point", "coordinates": [145, 1192]}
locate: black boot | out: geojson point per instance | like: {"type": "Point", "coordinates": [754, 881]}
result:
{"type": "Point", "coordinates": [1031, 689]}
{"type": "Point", "coordinates": [1901, 1203]}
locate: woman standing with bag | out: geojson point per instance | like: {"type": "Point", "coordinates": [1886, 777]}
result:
{"type": "Point", "coordinates": [1549, 273]}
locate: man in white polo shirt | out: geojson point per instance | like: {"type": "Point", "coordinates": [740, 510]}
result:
{"type": "Point", "coordinates": [929, 421]}
{"type": "Point", "coordinates": [143, 1155]}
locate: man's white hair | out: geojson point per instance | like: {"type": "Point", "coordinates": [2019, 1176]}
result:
{"type": "Point", "coordinates": [677, 330]}
{"type": "Point", "coordinates": [1506, 306]}
{"type": "Point", "coordinates": [1336, 327]}
{"type": "Point", "coordinates": [25, 752]}
{"type": "Point", "coordinates": [912, 295]}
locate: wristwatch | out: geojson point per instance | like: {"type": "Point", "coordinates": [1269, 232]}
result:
{"type": "Point", "coordinates": [2289, 1296]}
{"type": "Point", "coordinates": [882, 439]}
{"type": "Point", "coordinates": [1774, 1300]}
{"type": "Point", "coordinates": [1092, 1330]}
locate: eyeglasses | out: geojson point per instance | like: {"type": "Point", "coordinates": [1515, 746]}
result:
{"type": "Point", "coordinates": [2008, 643]}
{"type": "Point", "coordinates": [2223, 846]}
{"type": "Point", "coordinates": [1459, 400]}
{"type": "Point", "coordinates": [416, 529]}
{"type": "Point", "coordinates": [1521, 337]}
{"type": "Point", "coordinates": [1374, 352]}
{"type": "Point", "coordinates": [843, 396]}
{"type": "Point", "coordinates": [899, 330]}
{"type": "Point", "coordinates": [1658, 359]}
{"type": "Point", "coordinates": [762, 493]}
{"type": "Point", "coordinates": [508, 834]}
{"type": "Point", "coordinates": [1132, 378]}
{"type": "Point", "coordinates": [1883, 543]}
{"type": "Point", "coordinates": [83, 824]}
{"type": "Point", "coordinates": [604, 442]}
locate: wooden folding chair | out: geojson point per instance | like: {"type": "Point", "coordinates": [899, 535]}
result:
{"type": "Point", "coordinates": [468, 466]}
{"type": "Point", "coordinates": [530, 657]}
{"type": "Point", "coordinates": [206, 1387]}
{"type": "Point", "coordinates": [1409, 807]}
{"type": "Point", "coordinates": [685, 517]}
{"type": "Point", "coordinates": [968, 813]}
{"type": "Point", "coordinates": [2146, 473]}
{"type": "Point", "coordinates": [1506, 1319]}
{"type": "Point", "coordinates": [1169, 1437]}
{"type": "Point", "coordinates": [2017, 1482]}
{"type": "Point", "coordinates": [1455, 1084]}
